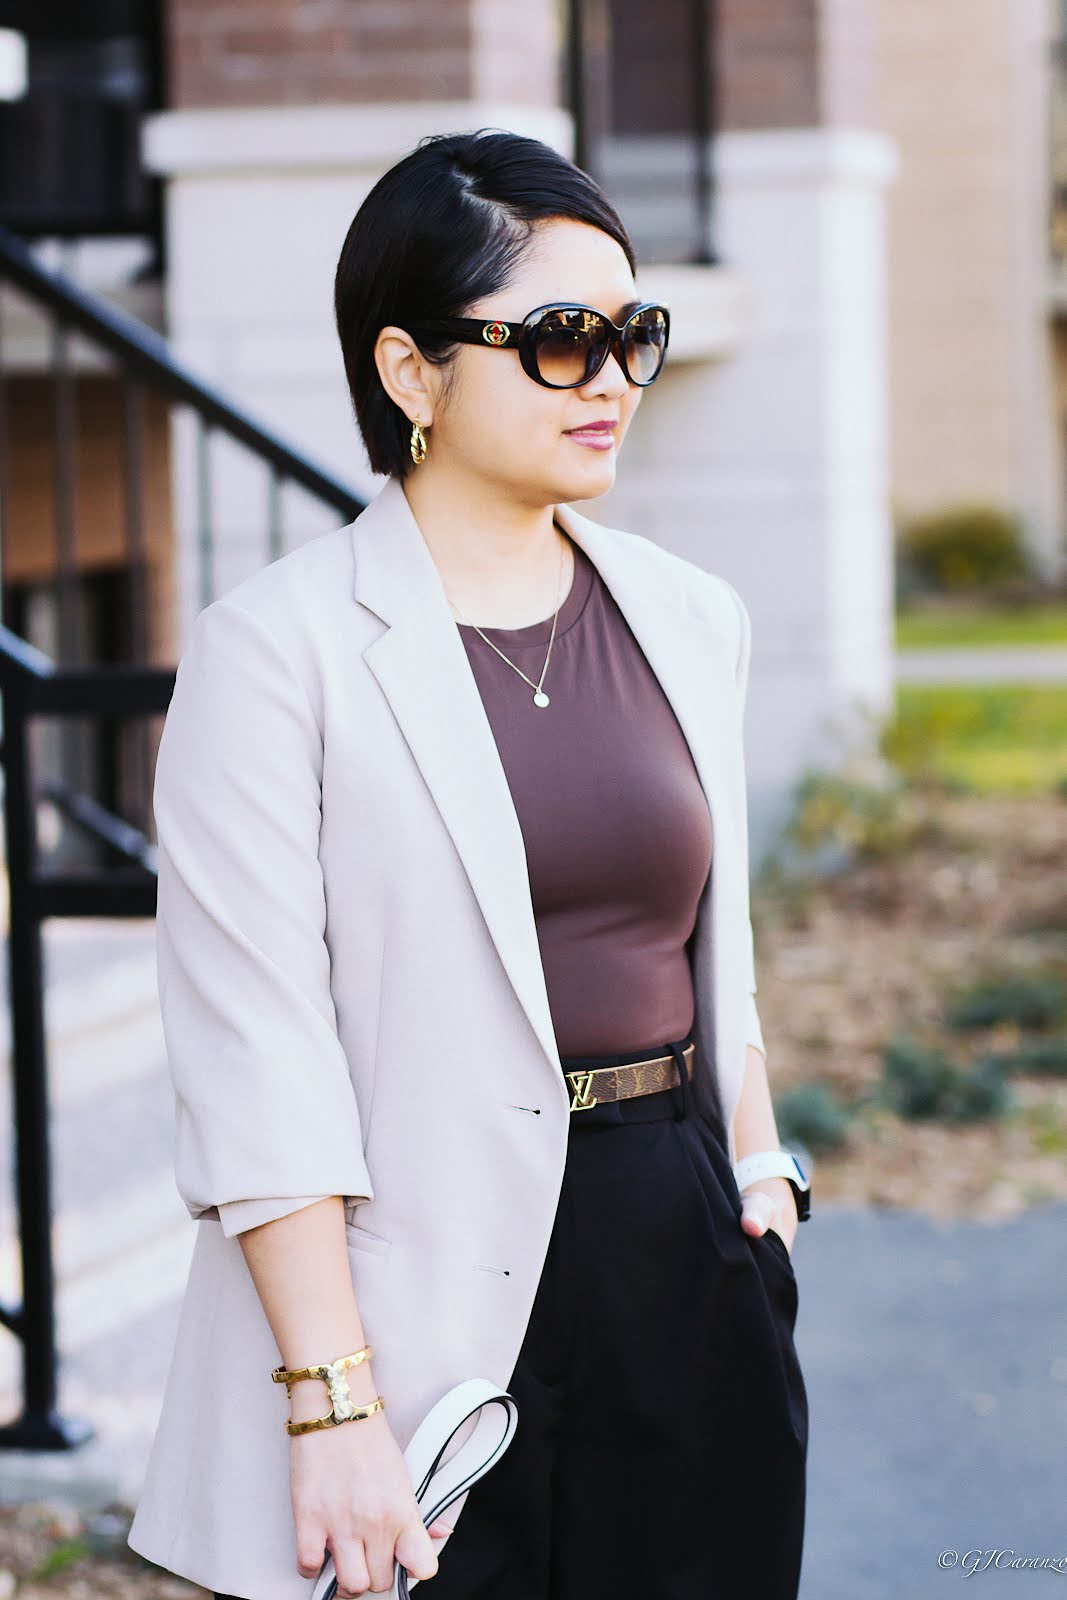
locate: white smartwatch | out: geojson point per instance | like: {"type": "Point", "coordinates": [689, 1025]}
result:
{"type": "Point", "coordinates": [777, 1164]}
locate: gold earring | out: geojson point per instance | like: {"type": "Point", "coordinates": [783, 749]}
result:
{"type": "Point", "coordinates": [418, 442]}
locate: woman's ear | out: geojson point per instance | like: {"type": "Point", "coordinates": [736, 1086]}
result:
{"type": "Point", "coordinates": [408, 380]}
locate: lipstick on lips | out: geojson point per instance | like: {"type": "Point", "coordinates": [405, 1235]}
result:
{"type": "Point", "coordinates": [598, 435]}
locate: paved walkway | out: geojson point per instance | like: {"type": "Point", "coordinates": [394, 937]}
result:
{"type": "Point", "coordinates": [987, 664]}
{"type": "Point", "coordinates": [936, 1365]}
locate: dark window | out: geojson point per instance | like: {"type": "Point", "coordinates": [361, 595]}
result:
{"type": "Point", "coordinates": [70, 147]}
{"type": "Point", "coordinates": [639, 84]}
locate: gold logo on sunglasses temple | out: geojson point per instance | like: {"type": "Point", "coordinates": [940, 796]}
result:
{"type": "Point", "coordinates": [496, 333]}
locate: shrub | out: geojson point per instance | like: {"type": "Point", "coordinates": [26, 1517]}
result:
{"type": "Point", "coordinates": [962, 549]}
{"type": "Point", "coordinates": [848, 815]}
{"type": "Point", "coordinates": [979, 1092]}
{"type": "Point", "coordinates": [919, 1082]}
{"type": "Point", "coordinates": [1032, 1000]}
{"type": "Point", "coordinates": [812, 1115]}
{"type": "Point", "coordinates": [1040, 1057]}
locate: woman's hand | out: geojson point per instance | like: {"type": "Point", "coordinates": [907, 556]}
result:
{"type": "Point", "coordinates": [770, 1202]}
{"type": "Point", "coordinates": [353, 1498]}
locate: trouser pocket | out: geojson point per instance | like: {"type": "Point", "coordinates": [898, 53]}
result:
{"type": "Point", "coordinates": [780, 1282]}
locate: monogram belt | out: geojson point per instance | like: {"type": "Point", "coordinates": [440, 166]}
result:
{"type": "Point", "coordinates": [599, 1084]}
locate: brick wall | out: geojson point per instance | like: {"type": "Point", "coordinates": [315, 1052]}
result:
{"type": "Point", "coordinates": [767, 63]}
{"type": "Point", "coordinates": [304, 52]}
{"type": "Point", "coordinates": [794, 63]}
{"type": "Point", "coordinates": [780, 63]}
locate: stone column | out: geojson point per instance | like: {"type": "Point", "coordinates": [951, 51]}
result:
{"type": "Point", "coordinates": [769, 462]}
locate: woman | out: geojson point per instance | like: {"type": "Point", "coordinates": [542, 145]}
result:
{"type": "Point", "coordinates": [458, 1010]}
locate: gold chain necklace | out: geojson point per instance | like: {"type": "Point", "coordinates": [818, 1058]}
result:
{"type": "Point", "coordinates": [540, 698]}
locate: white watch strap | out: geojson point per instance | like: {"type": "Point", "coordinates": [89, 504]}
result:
{"type": "Point", "coordinates": [768, 1164]}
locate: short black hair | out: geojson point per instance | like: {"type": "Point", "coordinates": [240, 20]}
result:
{"type": "Point", "coordinates": [442, 228]}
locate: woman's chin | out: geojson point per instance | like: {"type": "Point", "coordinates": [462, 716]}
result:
{"type": "Point", "coordinates": [595, 477]}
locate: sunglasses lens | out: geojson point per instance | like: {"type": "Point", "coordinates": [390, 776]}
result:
{"type": "Point", "coordinates": [645, 343]}
{"type": "Point", "coordinates": [568, 345]}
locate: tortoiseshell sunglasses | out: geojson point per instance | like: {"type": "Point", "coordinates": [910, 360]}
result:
{"type": "Point", "coordinates": [562, 345]}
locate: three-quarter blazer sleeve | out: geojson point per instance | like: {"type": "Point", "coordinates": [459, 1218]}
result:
{"type": "Point", "coordinates": [754, 1033]}
{"type": "Point", "coordinates": [266, 1114]}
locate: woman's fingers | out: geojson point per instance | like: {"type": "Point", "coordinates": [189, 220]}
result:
{"type": "Point", "coordinates": [415, 1551]}
{"type": "Point", "coordinates": [365, 1548]}
{"type": "Point", "coordinates": [311, 1547]}
{"type": "Point", "coordinates": [352, 1568]}
{"type": "Point", "coordinates": [366, 1566]}
{"type": "Point", "coordinates": [761, 1209]}
{"type": "Point", "coordinates": [353, 1496]}
{"type": "Point", "coordinates": [758, 1210]}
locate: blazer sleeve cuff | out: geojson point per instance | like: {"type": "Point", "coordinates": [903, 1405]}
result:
{"type": "Point", "coordinates": [237, 1216]}
{"type": "Point", "coordinates": [266, 1107]}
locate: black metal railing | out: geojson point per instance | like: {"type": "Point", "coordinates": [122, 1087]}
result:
{"type": "Point", "coordinates": [32, 686]}
{"type": "Point", "coordinates": [143, 362]}
{"type": "Point", "coordinates": [120, 880]}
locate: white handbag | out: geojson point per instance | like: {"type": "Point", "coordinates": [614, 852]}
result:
{"type": "Point", "coordinates": [442, 1466]}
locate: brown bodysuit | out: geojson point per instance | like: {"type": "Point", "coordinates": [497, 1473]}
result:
{"type": "Point", "coordinates": [613, 815]}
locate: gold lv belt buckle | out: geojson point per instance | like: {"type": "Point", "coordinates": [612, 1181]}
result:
{"type": "Point", "coordinates": [581, 1083]}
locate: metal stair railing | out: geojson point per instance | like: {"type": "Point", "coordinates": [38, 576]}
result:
{"type": "Point", "coordinates": [32, 685]}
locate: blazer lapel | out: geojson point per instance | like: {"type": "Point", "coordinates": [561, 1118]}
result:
{"type": "Point", "coordinates": [421, 664]}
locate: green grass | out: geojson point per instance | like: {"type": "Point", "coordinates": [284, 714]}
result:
{"type": "Point", "coordinates": [997, 737]}
{"type": "Point", "coordinates": [1031, 625]}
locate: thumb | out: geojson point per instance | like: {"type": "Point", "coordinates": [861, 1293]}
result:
{"type": "Point", "coordinates": [757, 1211]}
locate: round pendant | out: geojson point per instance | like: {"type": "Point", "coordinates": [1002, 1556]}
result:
{"type": "Point", "coordinates": [540, 698]}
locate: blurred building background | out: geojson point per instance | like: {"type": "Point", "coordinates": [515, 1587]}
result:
{"type": "Point", "coordinates": [851, 206]}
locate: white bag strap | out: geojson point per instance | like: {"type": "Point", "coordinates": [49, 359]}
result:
{"type": "Point", "coordinates": [455, 1444]}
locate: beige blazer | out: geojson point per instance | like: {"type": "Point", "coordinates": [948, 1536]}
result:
{"type": "Point", "coordinates": [352, 992]}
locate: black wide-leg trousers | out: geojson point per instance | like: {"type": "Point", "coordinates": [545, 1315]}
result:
{"type": "Point", "coordinates": [661, 1446]}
